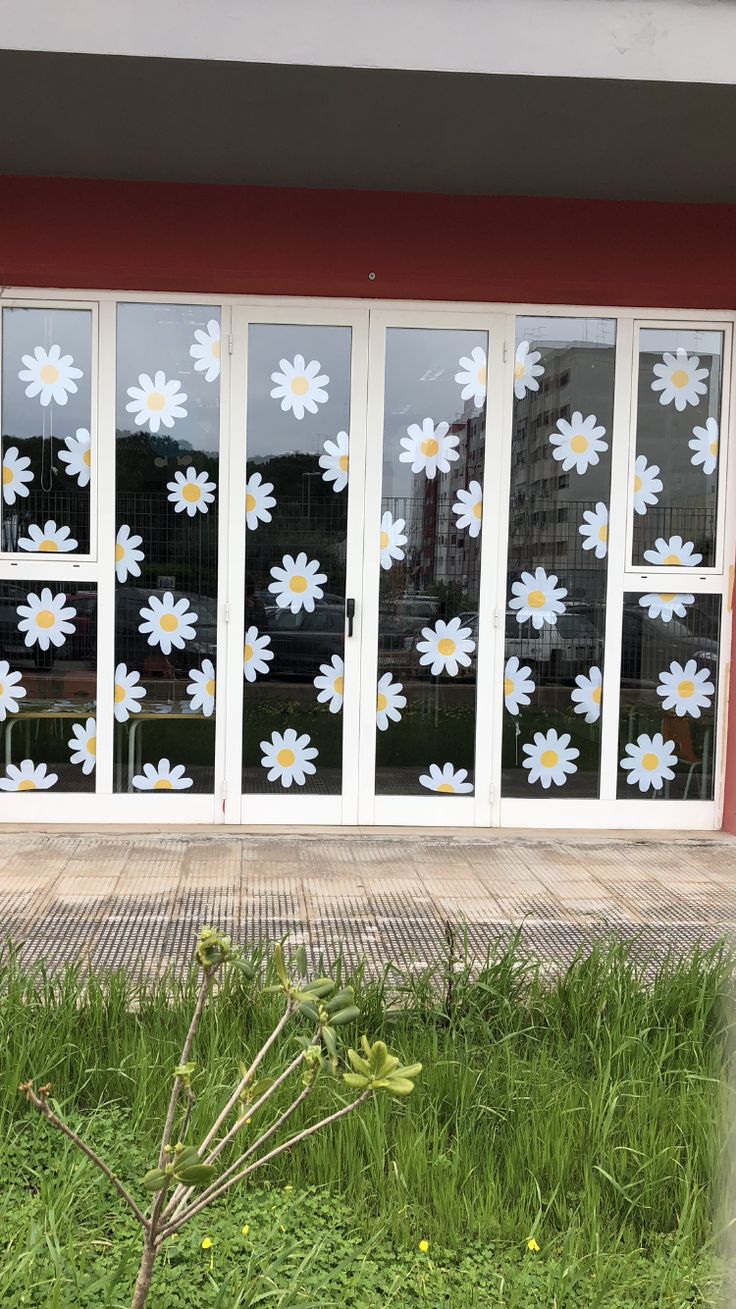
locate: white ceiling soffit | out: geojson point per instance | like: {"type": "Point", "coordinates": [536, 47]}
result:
{"type": "Point", "coordinates": [664, 40]}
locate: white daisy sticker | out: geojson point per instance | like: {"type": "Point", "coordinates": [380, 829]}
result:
{"type": "Point", "coordinates": [156, 401]}
{"type": "Point", "coordinates": [538, 597]}
{"type": "Point", "coordinates": [527, 369]}
{"type": "Point", "coordinates": [679, 379]}
{"type": "Point", "coordinates": [578, 443]}
{"type": "Point", "coordinates": [162, 777]}
{"type": "Point", "coordinates": [330, 682]}
{"type": "Point", "coordinates": [258, 501]}
{"type": "Point", "coordinates": [15, 474]}
{"type": "Point", "coordinates": [587, 694]}
{"type": "Point", "coordinates": [288, 757]}
{"type": "Point", "coordinates": [392, 540]}
{"type": "Point", "coordinates": [127, 693]}
{"type": "Point", "coordinates": [663, 604]}
{"type": "Point", "coordinates": [336, 461]}
{"type": "Point", "coordinates": [446, 647]}
{"type": "Point", "coordinates": [11, 690]}
{"type": "Point", "coordinates": [472, 377]}
{"type": "Point", "coordinates": [168, 624]}
{"type": "Point", "coordinates": [83, 745]}
{"type": "Point", "coordinates": [429, 448]}
{"type": "Point", "coordinates": [27, 777]}
{"type": "Point", "coordinates": [646, 485]}
{"type": "Point", "coordinates": [518, 685]}
{"type": "Point", "coordinates": [201, 689]}
{"type": "Point", "coordinates": [650, 762]}
{"type": "Point", "coordinates": [389, 702]}
{"type": "Point", "coordinates": [48, 539]}
{"type": "Point", "coordinates": [206, 351]}
{"type": "Point", "coordinates": [300, 386]}
{"type": "Point", "coordinates": [594, 530]}
{"type": "Point", "coordinates": [46, 619]}
{"type": "Point", "coordinates": [297, 583]}
{"type": "Point", "coordinates": [705, 446]}
{"type": "Point", "coordinates": [469, 508]}
{"type": "Point", "coordinates": [686, 690]}
{"type": "Point", "coordinates": [674, 553]}
{"type": "Point", "coordinates": [550, 758]}
{"type": "Point", "coordinates": [256, 654]}
{"type": "Point", "coordinates": [127, 555]}
{"type": "Point", "coordinates": [446, 780]}
{"type": "Point", "coordinates": [50, 375]}
{"type": "Point", "coordinates": [78, 456]}
{"type": "Point", "coordinates": [191, 492]}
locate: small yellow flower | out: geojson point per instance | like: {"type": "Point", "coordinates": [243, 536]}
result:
{"type": "Point", "coordinates": [288, 1188]}
{"type": "Point", "coordinates": [424, 1246]}
{"type": "Point", "coordinates": [245, 1229]}
{"type": "Point", "coordinates": [532, 1245]}
{"type": "Point", "coordinates": [206, 1244]}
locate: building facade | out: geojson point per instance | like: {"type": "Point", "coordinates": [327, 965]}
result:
{"type": "Point", "coordinates": [409, 502]}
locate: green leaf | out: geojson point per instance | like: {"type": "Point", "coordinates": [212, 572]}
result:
{"type": "Point", "coordinates": [308, 1010]}
{"type": "Point", "coordinates": [155, 1180]}
{"type": "Point", "coordinates": [195, 1174]}
{"type": "Point", "coordinates": [346, 1016]}
{"type": "Point", "coordinates": [356, 1080]}
{"type": "Point", "coordinates": [300, 959]}
{"type": "Point", "coordinates": [340, 1000]}
{"type": "Point", "coordinates": [330, 1040]}
{"type": "Point", "coordinates": [243, 967]}
{"type": "Point", "coordinates": [279, 965]}
{"type": "Point", "coordinates": [396, 1085]}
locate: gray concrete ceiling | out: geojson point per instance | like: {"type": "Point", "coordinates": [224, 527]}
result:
{"type": "Point", "coordinates": [70, 115]}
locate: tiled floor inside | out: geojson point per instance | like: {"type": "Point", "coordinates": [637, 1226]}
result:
{"type": "Point", "coordinates": [138, 897]}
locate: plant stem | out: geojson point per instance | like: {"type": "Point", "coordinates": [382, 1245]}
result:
{"type": "Point", "coordinates": [145, 1273]}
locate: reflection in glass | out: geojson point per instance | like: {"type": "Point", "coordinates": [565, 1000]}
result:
{"type": "Point", "coordinates": [48, 649]}
{"type": "Point", "coordinates": [558, 546]}
{"type": "Point", "coordinates": [168, 419]}
{"type": "Point", "coordinates": [46, 424]}
{"type": "Point", "coordinates": [296, 504]}
{"type": "Point", "coordinates": [675, 476]}
{"type": "Point", "coordinates": [431, 510]}
{"type": "Point", "coordinates": [669, 678]}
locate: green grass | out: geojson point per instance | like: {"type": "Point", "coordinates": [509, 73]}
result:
{"type": "Point", "coordinates": [588, 1112]}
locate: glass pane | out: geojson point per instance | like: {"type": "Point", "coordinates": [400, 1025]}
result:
{"type": "Point", "coordinates": [48, 640]}
{"type": "Point", "coordinates": [558, 546]}
{"type": "Point", "coordinates": [168, 423]}
{"type": "Point", "coordinates": [296, 506]}
{"type": "Point", "coordinates": [669, 677]}
{"type": "Point", "coordinates": [433, 452]}
{"type": "Point", "coordinates": [675, 478]}
{"type": "Point", "coordinates": [46, 423]}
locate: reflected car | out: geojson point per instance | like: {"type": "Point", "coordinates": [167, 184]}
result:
{"type": "Point", "coordinates": [649, 646]}
{"type": "Point", "coordinates": [301, 642]}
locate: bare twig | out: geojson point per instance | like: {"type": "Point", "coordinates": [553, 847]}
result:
{"type": "Point", "coordinates": [40, 1102]}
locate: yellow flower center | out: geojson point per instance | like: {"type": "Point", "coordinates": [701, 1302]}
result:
{"type": "Point", "coordinates": [679, 378]}
{"type": "Point", "coordinates": [429, 447]}
{"type": "Point", "coordinates": [535, 599]}
{"type": "Point", "coordinates": [86, 457]}
{"type": "Point", "coordinates": [381, 702]}
{"type": "Point", "coordinates": [384, 540]}
{"type": "Point", "coordinates": [27, 784]}
{"type": "Point", "coordinates": [285, 757]}
{"type": "Point", "coordinates": [215, 349]}
{"type": "Point", "coordinates": [247, 653]}
{"type": "Point", "coordinates": [596, 694]}
{"type": "Point", "coordinates": [250, 503]}
{"type": "Point", "coordinates": [549, 758]}
{"type": "Point", "coordinates": [477, 509]}
{"type": "Point", "coordinates": [713, 447]}
{"type": "Point", "coordinates": [579, 444]}
{"type": "Point", "coordinates": [446, 646]}
{"type": "Point", "coordinates": [49, 374]}
{"type": "Point", "coordinates": [343, 462]}
{"type": "Point", "coordinates": [156, 401]}
{"type": "Point", "coordinates": [508, 686]}
{"type": "Point", "coordinates": [685, 690]}
{"type": "Point", "coordinates": [169, 622]}
{"type": "Point", "coordinates": [672, 560]}
{"type": "Point", "coordinates": [191, 491]}
{"type": "Point", "coordinates": [209, 686]}
{"type": "Point", "coordinates": [667, 597]}
{"type": "Point", "coordinates": [649, 762]}
{"type": "Point", "coordinates": [7, 475]}
{"type": "Point", "coordinates": [119, 552]}
{"type": "Point", "coordinates": [298, 584]}
{"type": "Point", "coordinates": [637, 484]}
{"type": "Point", "coordinates": [45, 618]}
{"type": "Point", "coordinates": [603, 532]}
{"type": "Point", "coordinates": [2, 689]}
{"type": "Point", "coordinates": [91, 745]}
{"type": "Point", "coordinates": [163, 784]}
{"type": "Point", "coordinates": [299, 385]}
{"type": "Point", "coordinates": [48, 545]}
{"type": "Point", "coordinates": [518, 371]}
{"type": "Point", "coordinates": [119, 693]}
{"type": "Point", "coordinates": [481, 376]}
{"type": "Point", "coordinates": [447, 788]}
{"type": "Point", "coordinates": [338, 685]}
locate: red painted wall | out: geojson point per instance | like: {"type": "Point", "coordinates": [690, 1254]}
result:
{"type": "Point", "coordinates": [241, 240]}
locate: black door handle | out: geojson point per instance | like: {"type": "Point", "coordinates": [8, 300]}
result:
{"type": "Point", "coordinates": [350, 614]}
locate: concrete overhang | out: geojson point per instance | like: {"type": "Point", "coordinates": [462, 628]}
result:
{"type": "Point", "coordinates": [198, 120]}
